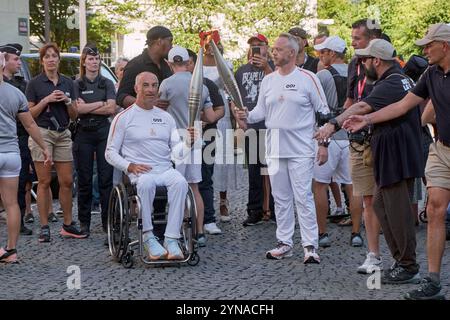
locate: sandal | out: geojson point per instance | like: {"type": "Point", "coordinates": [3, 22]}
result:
{"type": "Point", "coordinates": [224, 214]}
{"type": "Point", "coordinates": [8, 256]}
{"type": "Point", "coordinates": [345, 222]}
{"type": "Point", "coordinates": [266, 215]}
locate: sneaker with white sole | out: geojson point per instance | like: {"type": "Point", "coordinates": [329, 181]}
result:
{"type": "Point", "coordinates": [225, 218]}
{"type": "Point", "coordinates": [371, 264]}
{"type": "Point", "coordinates": [173, 249]}
{"type": "Point", "coordinates": [281, 251]}
{"type": "Point", "coordinates": [212, 228]}
{"type": "Point", "coordinates": [324, 240]}
{"type": "Point", "coordinates": [311, 255]}
{"type": "Point", "coordinates": [155, 250]}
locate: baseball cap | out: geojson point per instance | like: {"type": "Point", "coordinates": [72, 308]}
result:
{"type": "Point", "coordinates": [259, 37]}
{"type": "Point", "coordinates": [158, 32]}
{"type": "Point", "coordinates": [333, 43]}
{"type": "Point", "coordinates": [13, 48]}
{"type": "Point", "coordinates": [178, 54]}
{"type": "Point", "coordinates": [299, 32]}
{"type": "Point", "coordinates": [436, 32]}
{"type": "Point", "coordinates": [378, 48]}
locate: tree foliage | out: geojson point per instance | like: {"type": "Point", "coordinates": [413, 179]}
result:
{"type": "Point", "coordinates": [104, 19]}
{"type": "Point", "coordinates": [403, 20]}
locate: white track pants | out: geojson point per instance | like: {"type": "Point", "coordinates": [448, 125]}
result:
{"type": "Point", "coordinates": [291, 178]}
{"type": "Point", "coordinates": [177, 188]}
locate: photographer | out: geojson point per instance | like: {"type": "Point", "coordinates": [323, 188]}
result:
{"type": "Point", "coordinates": [50, 101]}
{"type": "Point", "coordinates": [95, 104]}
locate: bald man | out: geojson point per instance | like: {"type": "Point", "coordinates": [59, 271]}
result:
{"type": "Point", "coordinates": [141, 142]}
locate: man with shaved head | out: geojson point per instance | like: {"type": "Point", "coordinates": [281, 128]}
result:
{"type": "Point", "coordinates": [141, 142]}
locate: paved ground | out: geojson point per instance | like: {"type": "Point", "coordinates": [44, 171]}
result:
{"type": "Point", "coordinates": [232, 266]}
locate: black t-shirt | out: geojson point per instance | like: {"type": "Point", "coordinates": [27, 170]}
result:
{"type": "Point", "coordinates": [310, 64]}
{"type": "Point", "coordinates": [249, 78]}
{"type": "Point", "coordinates": [101, 89]}
{"type": "Point", "coordinates": [216, 99]}
{"type": "Point", "coordinates": [40, 87]}
{"type": "Point", "coordinates": [21, 84]}
{"type": "Point", "coordinates": [356, 76]}
{"type": "Point", "coordinates": [139, 64]}
{"type": "Point", "coordinates": [435, 84]}
{"type": "Point", "coordinates": [396, 144]}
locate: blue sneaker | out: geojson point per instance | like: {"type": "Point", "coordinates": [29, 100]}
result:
{"type": "Point", "coordinates": [173, 249]}
{"type": "Point", "coordinates": [154, 249]}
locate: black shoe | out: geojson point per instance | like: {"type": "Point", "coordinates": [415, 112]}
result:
{"type": "Point", "coordinates": [399, 275]}
{"type": "Point", "coordinates": [85, 229]}
{"type": "Point", "coordinates": [25, 231]}
{"type": "Point", "coordinates": [44, 236]}
{"type": "Point", "coordinates": [254, 218]}
{"type": "Point", "coordinates": [71, 231]}
{"type": "Point", "coordinates": [428, 290]}
{"type": "Point", "coordinates": [29, 218]}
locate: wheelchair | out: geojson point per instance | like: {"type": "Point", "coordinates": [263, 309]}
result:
{"type": "Point", "coordinates": [125, 219]}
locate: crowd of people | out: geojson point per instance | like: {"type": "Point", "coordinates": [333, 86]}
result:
{"type": "Point", "coordinates": [357, 130]}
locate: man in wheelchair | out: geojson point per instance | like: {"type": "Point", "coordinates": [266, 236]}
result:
{"type": "Point", "coordinates": [142, 141]}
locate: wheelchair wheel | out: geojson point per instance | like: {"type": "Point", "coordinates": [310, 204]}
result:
{"type": "Point", "coordinates": [127, 261]}
{"type": "Point", "coordinates": [194, 260]}
{"type": "Point", "coordinates": [189, 227]}
{"type": "Point", "coordinates": [423, 216]}
{"type": "Point", "coordinates": [118, 222]}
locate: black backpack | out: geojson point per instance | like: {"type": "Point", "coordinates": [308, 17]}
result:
{"type": "Point", "coordinates": [341, 89]}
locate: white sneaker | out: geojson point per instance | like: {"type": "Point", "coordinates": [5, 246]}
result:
{"type": "Point", "coordinates": [371, 264]}
{"type": "Point", "coordinates": [311, 255]}
{"type": "Point", "coordinates": [225, 218]}
{"type": "Point", "coordinates": [212, 228]}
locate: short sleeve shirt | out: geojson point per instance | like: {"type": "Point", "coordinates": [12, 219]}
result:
{"type": "Point", "coordinates": [396, 144]}
{"type": "Point", "coordinates": [39, 88]}
{"type": "Point", "coordinates": [12, 102]}
{"type": "Point", "coordinates": [435, 84]}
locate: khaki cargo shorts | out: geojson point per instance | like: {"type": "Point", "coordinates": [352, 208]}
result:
{"type": "Point", "coordinates": [362, 176]}
{"type": "Point", "coordinates": [437, 170]}
{"type": "Point", "coordinates": [59, 145]}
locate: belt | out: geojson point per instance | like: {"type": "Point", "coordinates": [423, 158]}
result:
{"type": "Point", "coordinates": [444, 143]}
{"type": "Point", "coordinates": [61, 129]}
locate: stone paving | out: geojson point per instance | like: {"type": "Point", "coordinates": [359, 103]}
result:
{"type": "Point", "coordinates": [232, 266]}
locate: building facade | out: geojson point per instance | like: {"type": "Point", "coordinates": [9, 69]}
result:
{"type": "Point", "coordinates": [15, 22]}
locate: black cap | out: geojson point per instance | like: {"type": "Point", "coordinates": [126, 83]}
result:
{"type": "Point", "coordinates": [158, 32]}
{"type": "Point", "coordinates": [299, 32]}
{"type": "Point", "coordinates": [13, 48]}
{"type": "Point", "coordinates": [91, 50]}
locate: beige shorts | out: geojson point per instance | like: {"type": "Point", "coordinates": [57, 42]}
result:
{"type": "Point", "coordinates": [437, 170]}
{"type": "Point", "coordinates": [59, 145]}
{"type": "Point", "coordinates": [362, 176]}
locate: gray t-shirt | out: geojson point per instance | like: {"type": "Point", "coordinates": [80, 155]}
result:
{"type": "Point", "coordinates": [329, 87]}
{"type": "Point", "coordinates": [12, 102]}
{"type": "Point", "coordinates": [176, 90]}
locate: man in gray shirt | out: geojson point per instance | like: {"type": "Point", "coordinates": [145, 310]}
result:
{"type": "Point", "coordinates": [334, 82]}
{"type": "Point", "coordinates": [175, 89]}
{"type": "Point", "coordinates": [13, 104]}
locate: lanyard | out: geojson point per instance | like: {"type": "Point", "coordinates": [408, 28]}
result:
{"type": "Point", "coordinates": [361, 84]}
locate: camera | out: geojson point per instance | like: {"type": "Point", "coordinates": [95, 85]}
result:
{"type": "Point", "coordinates": [358, 137]}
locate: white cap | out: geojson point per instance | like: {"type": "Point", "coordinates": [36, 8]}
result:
{"type": "Point", "coordinates": [178, 54]}
{"type": "Point", "coordinates": [378, 48]}
{"type": "Point", "coordinates": [333, 43]}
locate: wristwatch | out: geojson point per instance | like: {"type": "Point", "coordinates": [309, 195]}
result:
{"type": "Point", "coordinates": [335, 123]}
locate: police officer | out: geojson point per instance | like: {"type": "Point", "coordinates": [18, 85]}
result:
{"type": "Point", "coordinates": [12, 66]}
{"type": "Point", "coordinates": [96, 103]}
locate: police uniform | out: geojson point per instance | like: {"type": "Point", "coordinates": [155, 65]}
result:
{"type": "Point", "coordinates": [91, 137]}
{"type": "Point", "coordinates": [25, 155]}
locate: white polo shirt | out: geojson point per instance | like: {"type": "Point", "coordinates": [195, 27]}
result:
{"type": "Point", "coordinates": [288, 105]}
